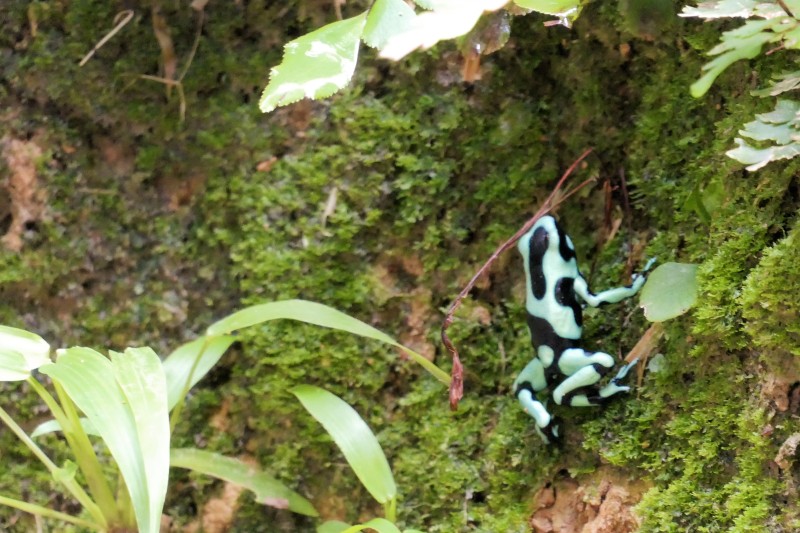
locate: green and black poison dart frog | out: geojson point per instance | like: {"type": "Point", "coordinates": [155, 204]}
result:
{"type": "Point", "coordinates": [555, 318]}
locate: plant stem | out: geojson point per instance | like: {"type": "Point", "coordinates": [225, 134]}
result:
{"type": "Point", "coordinates": [82, 447]}
{"type": "Point", "coordinates": [390, 510]}
{"type": "Point", "coordinates": [48, 513]}
{"type": "Point", "coordinates": [71, 485]}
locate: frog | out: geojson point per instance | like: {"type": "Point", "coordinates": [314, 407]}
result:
{"type": "Point", "coordinates": [553, 286]}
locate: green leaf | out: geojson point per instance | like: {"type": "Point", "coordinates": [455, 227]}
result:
{"type": "Point", "coordinates": [141, 377]}
{"type": "Point", "coordinates": [781, 126]}
{"type": "Point", "coordinates": [184, 361]}
{"type": "Point", "coordinates": [762, 131]}
{"type": "Point", "coordinates": [320, 315]}
{"type": "Point", "coordinates": [386, 18]}
{"type": "Point", "coordinates": [744, 42]}
{"type": "Point", "coordinates": [549, 7]}
{"type": "Point", "coordinates": [333, 526]}
{"type": "Point", "coordinates": [695, 202]}
{"type": "Point", "coordinates": [353, 437]}
{"type": "Point", "coordinates": [13, 366]}
{"type": "Point", "coordinates": [126, 400]}
{"type": "Point", "coordinates": [670, 291]}
{"type": "Point", "coordinates": [707, 200]}
{"type": "Point", "coordinates": [448, 20]}
{"type": "Point", "coordinates": [316, 65]}
{"type": "Point", "coordinates": [49, 513]}
{"type": "Point", "coordinates": [787, 81]}
{"type": "Point", "coordinates": [785, 111]}
{"type": "Point", "coordinates": [721, 9]}
{"type": "Point", "coordinates": [268, 490]}
{"type": "Point", "coordinates": [756, 158]}
{"type": "Point", "coordinates": [716, 9]}
{"type": "Point", "coordinates": [177, 367]}
{"type": "Point", "coordinates": [20, 352]}
{"type": "Point", "coordinates": [52, 426]}
{"type": "Point", "coordinates": [381, 525]}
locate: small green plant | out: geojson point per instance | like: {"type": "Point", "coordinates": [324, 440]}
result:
{"type": "Point", "coordinates": [767, 23]}
{"type": "Point", "coordinates": [322, 62]}
{"type": "Point", "coordinates": [362, 452]}
{"type": "Point", "coordinates": [131, 401]}
{"type": "Point", "coordinates": [670, 291]}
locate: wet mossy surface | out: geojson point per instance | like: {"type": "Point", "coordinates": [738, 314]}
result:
{"type": "Point", "coordinates": [154, 228]}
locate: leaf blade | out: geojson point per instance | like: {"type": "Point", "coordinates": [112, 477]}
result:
{"type": "Point", "coordinates": [267, 489]}
{"type": "Point", "coordinates": [549, 7]}
{"type": "Point", "coordinates": [89, 380]}
{"type": "Point", "coordinates": [21, 352]}
{"type": "Point", "coordinates": [184, 361]}
{"type": "Point", "coordinates": [448, 19]}
{"type": "Point", "coordinates": [385, 19]}
{"type": "Point", "coordinates": [320, 315]}
{"type": "Point", "coordinates": [141, 377]}
{"type": "Point", "coordinates": [315, 65]}
{"type": "Point", "coordinates": [381, 525]}
{"type": "Point", "coordinates": [13, 366]}
{"type": "Point", "coordinates": [353, 437]}
{"type": "Point", "coordinates": [53, 426]}
{"type": "Point", "coordinates": [333, 526]}
{"type": "Point", "coordinates": [670, 291]}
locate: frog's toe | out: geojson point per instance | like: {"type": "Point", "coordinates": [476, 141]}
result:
{"type": "Point", "coordinates": [612, 389]}
{"type": "Point", "coordinates": [624, 370]}
{"type": "Point", "coordinates": [549, 434]}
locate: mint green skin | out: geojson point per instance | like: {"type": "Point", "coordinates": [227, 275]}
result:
{"type": "Point", "coordinates": [553, 285]}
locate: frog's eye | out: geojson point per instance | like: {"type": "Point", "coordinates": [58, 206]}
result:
{"type": "Point", "coordinates": [565, 247]}
{"type": "Point", "coordinates": [540, 242]}
{"type": "Point", "coordinates": [561, 241]}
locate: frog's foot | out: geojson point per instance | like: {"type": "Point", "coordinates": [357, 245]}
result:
{"type": "Point", "coordinates": [549, 434]}
{"type": "Point", "coordinates": [545, 426]}
{"type": "Point", "coordinates": [614, 386]}
{"type": "Point", "coordinates": [638, 279]}
{"type": "Point", "coordinates": [625, 369]}
{"type": "Point", "coordinates": [531, 404]}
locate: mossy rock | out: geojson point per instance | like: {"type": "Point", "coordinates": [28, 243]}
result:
{"type": "Point", "coordinates": [155, 227]}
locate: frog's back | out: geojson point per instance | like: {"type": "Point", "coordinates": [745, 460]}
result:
{"type": "Point", "coordinates": [554, 314]}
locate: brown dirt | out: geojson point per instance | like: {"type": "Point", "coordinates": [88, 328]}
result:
{"type": "Point", "coordinates": [418, 320]}
{"type": "Point", "coordinates": [27, 198]}
{"type": "Point", "coordinates": [780, 385]}
{"type": "Point", "coordinates": [219, 512]}
{"type": "Point", "coordinates": [600, 503]}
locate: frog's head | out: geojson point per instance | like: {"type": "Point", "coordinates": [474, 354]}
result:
{"type": "Point", "coordinates": [546, 237]}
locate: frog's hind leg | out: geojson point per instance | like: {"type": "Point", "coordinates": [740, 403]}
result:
{"type": "Point", "coordinates": [530, 381]}
{"type": "Point", "coordinates": [592, 396]}
{"type": "Point", "coordinates": [584, 370]}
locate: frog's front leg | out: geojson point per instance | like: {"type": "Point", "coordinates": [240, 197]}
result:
{"type": "Point", "coordinates": [530, 381]}
{"type": "Point", "coordinates": [584, 369]}
{"type": "Point", "coordinates": [611, 296]}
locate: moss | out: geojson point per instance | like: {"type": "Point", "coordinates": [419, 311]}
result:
{"type": "Point", "coordinates": [689, 444]}
{"type": "Point", "coordinates": [769, 306]}
{"type": "Point", "coordinates": [157, 227]}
